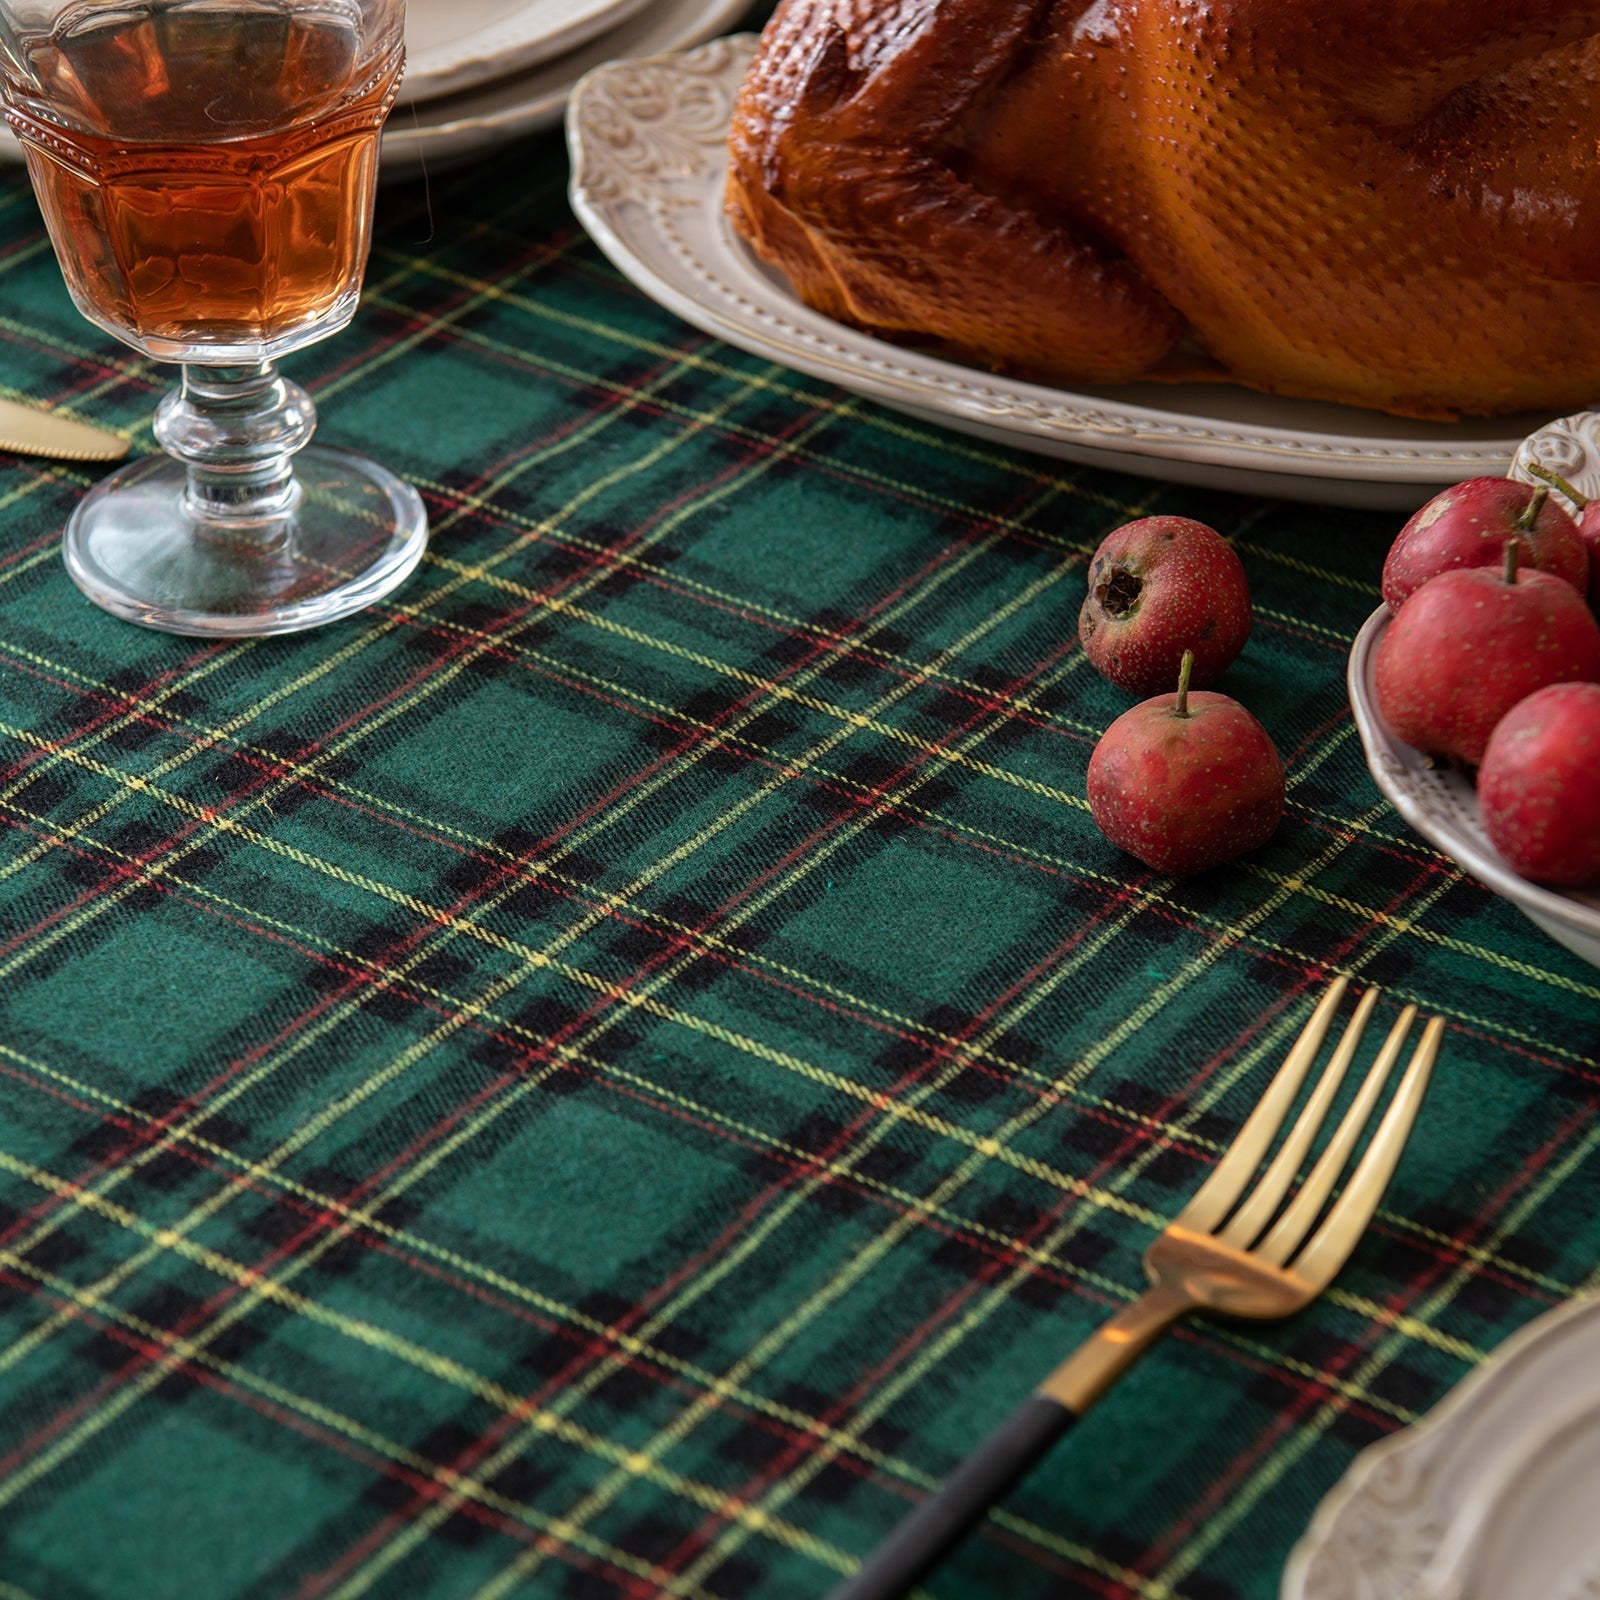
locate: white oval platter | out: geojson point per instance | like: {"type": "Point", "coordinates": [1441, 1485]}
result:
{"type": "Point", "coordinates": [454, 44]}
{"type": "Point", "coordinates": [1439, 801]}
{"type": "Point", "coordinates": [1441, 1511]}
{"type": "Point", "coordinates": [649, 141]}
{"type": "Point", "coordinates": [447, 132]}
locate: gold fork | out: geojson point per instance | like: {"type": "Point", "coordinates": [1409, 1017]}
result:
{"type": "Point", "coordinates": [1242, 1254]}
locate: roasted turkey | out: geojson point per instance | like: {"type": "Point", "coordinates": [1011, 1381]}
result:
{"type": "Point", "coordinates": [1391, 203]}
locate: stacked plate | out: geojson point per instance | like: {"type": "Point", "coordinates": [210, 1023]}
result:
{"type": "Point", "coordinates": [482, 72]}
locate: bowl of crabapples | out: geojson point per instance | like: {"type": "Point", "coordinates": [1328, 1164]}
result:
{"type": "Point", "coordinates": [1476, 685]}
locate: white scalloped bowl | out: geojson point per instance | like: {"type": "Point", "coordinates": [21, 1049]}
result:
{"type": "Point", "coordinates": [1439, 802]}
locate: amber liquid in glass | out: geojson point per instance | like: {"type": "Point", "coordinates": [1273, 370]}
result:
{"type": "Point", "coordinates": [206, 176]}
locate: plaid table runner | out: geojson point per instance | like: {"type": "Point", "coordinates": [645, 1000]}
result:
{"type": "Point", "coordinates": [605, 1076]}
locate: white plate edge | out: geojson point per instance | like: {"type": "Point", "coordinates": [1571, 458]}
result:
{"type": "Point", "coordinates": [714, 17]}
{"type": "Point", "coordinates": [503, 48]}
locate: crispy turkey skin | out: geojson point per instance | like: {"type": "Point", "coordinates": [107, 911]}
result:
{"type": "Point", "coordinates": [1389, 203]}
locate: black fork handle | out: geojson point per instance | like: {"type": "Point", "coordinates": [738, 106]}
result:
{"type": "Point", "coordinates": [929, 1533]}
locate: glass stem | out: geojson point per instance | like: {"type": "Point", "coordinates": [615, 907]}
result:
{"type": "Point", "coordinates": [236, 428]}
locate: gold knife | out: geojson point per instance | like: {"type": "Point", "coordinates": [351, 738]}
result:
{"type": "Point", "coordinates": [32, 432]}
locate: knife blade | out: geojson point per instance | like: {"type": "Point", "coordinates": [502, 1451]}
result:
{"type": "Point", "coordinates": [32, 432]}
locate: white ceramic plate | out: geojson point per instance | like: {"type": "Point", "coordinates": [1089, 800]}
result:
{"type": "Point", "coordinates": [447, 132]}
{"type": "Point", "coordinates": [443, 133]}
{"type": "Point", "coordinates": [649, 142]}
{"type": "Point", "coordinates": [1439, 801]}
{"type": "Point", "coordinates": [1491, 1496]}
{"type": "Point", "coordinates": [454, 44]}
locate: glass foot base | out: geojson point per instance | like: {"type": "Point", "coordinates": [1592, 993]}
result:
{"type": "Point", "coordinates": [135, 549]}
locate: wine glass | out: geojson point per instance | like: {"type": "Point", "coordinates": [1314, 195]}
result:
{"type": "Point", "coordinates": [205, 169]}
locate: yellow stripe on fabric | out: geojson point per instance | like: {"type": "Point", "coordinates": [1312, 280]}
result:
{"type": "Point", "coordinates": [468, 1486]}
{"type": "Point", "coordinates": [1322, 574]}
{"type": "Point", "coordinates": [580, 436]}
{"type": "Point", "coordinates": [100, 355]}
{"type": "Point", "coordinates": [787, 621]}
{"type": "Point", "coordinates": [951, 1338]}
{"type": "Point", "coordinates": [1406, 925]}
{"type": "Point", "coordinates": [600, 984]}
{"type": "Point", "coordinates": [1523, 969]}
{"type": "Point", "coordinates": [680, 1428]}
{"type": "Point", "coordinates": [1307, 768]}
{"type": "Point", "coordinates": [592, 829]}
{"type": "Point", "coordinates": [415, 1052]}
{"type": "Point", "coordinates": [1289, 620]}
{"type": "Point", "coordinates": [702, 1377]}
{"type": "Point", "coordinates": [753, 1238]}
{"type": "Point", "coordinates": [434, 322]}
{"type": "Point", "coordinates": [50, 552]}
{"type": "Point", "coordinates": [784, 692]}
{"type": "Point", "coordinates": [58, 751]}
{"type": "Point", "coordinates": [850, 471]}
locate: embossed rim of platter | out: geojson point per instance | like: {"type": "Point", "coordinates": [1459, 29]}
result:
{"type": "Point", "coordinates": [1338, 1519]}
{"type": "Point", "coordinates": [648, 140]}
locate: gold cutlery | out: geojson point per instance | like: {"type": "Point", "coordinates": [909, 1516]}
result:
{"type": "Point", "coordinates": [32, 432]}
{"type": "Point", "coordinates": [1233, 1249]}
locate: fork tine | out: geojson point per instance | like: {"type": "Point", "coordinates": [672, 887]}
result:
{"type": "Point", "coordinates": [1219, 1192]}
{"type": "Point", "coordinates": [1292, 1227]}
{"type": "Point", "coordinates": [1332, 1243]}
{"type": "Point", "coordinates": [1257, 1211]}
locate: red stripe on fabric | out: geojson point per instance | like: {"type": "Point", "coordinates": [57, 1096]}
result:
{"type": "Point", "coordinates": [781, 1465]}
{"type": "Point", "coordinates": [122, 872]}
{"type": "Point", "coordinates": [327, 1221]}
{"type": "Point", "coordinates": [496, 1433]}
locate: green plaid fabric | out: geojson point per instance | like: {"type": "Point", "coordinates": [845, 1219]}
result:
{"type": "Point", "coordinates": [605, 1076]}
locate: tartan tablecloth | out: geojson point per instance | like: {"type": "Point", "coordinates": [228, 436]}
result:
{"type": "Point", "coordinates": [606, 1075]}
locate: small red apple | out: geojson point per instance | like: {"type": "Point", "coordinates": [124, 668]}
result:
{"type": "Point", "coordinates": [1588, 528]}
{"type": "Point", "coordinates": [1469, 644]}
{"type": "Point", "coordinates": [1468, 526]}
{"type": "Point", "coordinates": [1158, 587]}
{"type": "Point", "coordinates": [1539, 786]}
{"type": "Point", "coordinates": [1186, 781]}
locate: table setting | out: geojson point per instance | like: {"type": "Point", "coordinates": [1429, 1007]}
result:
{"type": "Point", "coordinates": [799, 802]}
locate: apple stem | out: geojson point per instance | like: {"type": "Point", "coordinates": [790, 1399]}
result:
{"type": "Point", "coordinates": [1185, 667]}
{"type": "Point", "coordinates": [1513, 549]}
{"type": "Point", "coordinates": [1530, 512]}
{"type": "Point", "coordinates": [1555, 480]}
